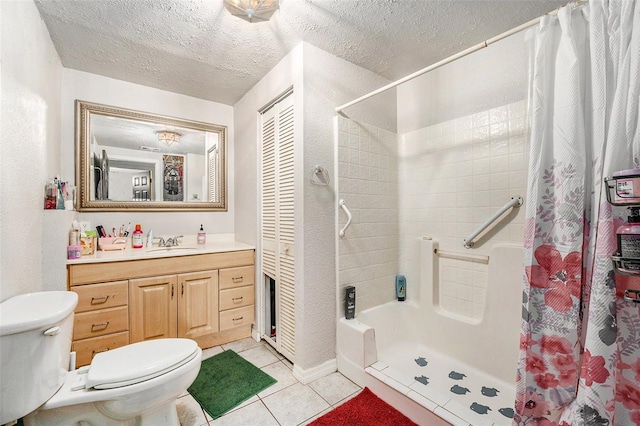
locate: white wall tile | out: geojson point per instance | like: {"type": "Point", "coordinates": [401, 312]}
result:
{"type": "Point", "coordinates": [441, 181]}
{"type": "Point", "coordinates": [487, 173]}
{"type": "Point", "coordinates": [368, 176]}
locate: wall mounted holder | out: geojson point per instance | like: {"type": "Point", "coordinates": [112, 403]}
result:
{"type": "Point", "coordinates": [320, 176]}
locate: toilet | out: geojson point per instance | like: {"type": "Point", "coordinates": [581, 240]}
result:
{"type": "Point", "coordinates": [137, 384]}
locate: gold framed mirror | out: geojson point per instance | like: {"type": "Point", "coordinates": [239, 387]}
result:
{"type": "Point", "coordinates": [136, 161]}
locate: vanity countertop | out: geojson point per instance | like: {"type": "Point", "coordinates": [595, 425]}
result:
{"type": "Point", "coordinates": [188, 247]}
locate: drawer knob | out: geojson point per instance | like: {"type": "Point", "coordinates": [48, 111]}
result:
{"type": "Point", "coordinates": [237, 319]}
{"type": "Point", "coordinates": [237, 279]}
{"type": "Point", "coordinates": [99, 327]}
{"type": "Point", "coordinates": [99, 300]}
{"type": "Point", "coordinates": [237, 299]}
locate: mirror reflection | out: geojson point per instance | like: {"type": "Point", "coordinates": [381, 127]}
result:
{"type": "Point", "coordinates": [134, 160]}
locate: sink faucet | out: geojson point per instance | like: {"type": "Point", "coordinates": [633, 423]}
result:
{"type": "Point", "coordinates": [169, 242]}
{"type": "Point", "coordinates": [173, 242]}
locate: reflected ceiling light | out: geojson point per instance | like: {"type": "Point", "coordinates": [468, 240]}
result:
{"type": "Point", "coordinates": [252, 10]}
{"type": "Point", "coordinates": [169, 137]}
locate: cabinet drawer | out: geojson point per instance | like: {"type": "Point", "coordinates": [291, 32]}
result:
{"type": "Point", "coordinates": [236, 297]}
{"type": "Point", "coordinates": [236, 317]}
{"type": "Point", "coordinates": [102, 296]}
{"type": "Point", "coordinates": [87, 348]}
{"type": "Point", "coordinates": [236, 277]}
{"type": "Point", "coordinates": [98, 323]}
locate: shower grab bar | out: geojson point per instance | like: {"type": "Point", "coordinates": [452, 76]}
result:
{"type": "Point", "coordinates": [514, 202]}
{"type": "Point", "coordinates": [460, 256]}
{"type": "Point", "coordinates": [344, 207]}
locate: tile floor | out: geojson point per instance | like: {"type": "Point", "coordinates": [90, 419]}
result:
{"type": "Point", "coordinates": [286, 403]}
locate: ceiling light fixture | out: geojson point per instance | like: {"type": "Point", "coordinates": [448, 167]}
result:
{"type": "Point", "coordinates": [169, 137]}
{"type": "Point", "coordinates": [252, 10]}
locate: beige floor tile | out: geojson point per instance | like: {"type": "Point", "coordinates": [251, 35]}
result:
{"type": "Point", "coordinates": [260, 356]}
{"type": "Point", "coordinates": [334, 387]}
{"type": "Point", "coordinates": [251, 400]}
{"type": "Point", "coordinates": [242, 345]}
{"type": "Point", "coordinates": [273, 350]}
{"type": "Point", "coordinates": [317, 416]}
{"type": "Point", "coordinates": [189, 412]}
{"type": "Point", "coordinates": [282, 374]}
{"type": "Point", "coordinates": [295, 404]}
{"type": "Point", "coordinates": [209, 352]}
{"type": "Point", "coordinates": [255, 414]}
{"type": "Point", "coordinates": [288, 363]}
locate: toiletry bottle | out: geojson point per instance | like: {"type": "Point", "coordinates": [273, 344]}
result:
{"type": "Point", "coordinates": [401, 287]}
{"type": "Point", "coordinates": [150, 238]}
{"type": "Point", "coordinates": [136, 241]}
{"type": "Point", "coordinates": [350, 302]}
{"type": "Point", "coordinates": [629, 238]}
{"type": "Point", "coordinates": [202, 236]}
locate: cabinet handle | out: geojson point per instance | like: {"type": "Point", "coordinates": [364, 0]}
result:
{"type": "Point", "coordinates": [237, 279]}
{"type": "Point", "coordinates": [237, 299]}
{"type": "Point", "coordinates": [97, 352]}
{"type": "Point", "coordinates": [172, 291]}
{"type": "Point", "coordinates": [99, 300]}
{"type": "Point", "coordinates": [237, 319]}
{"type": "Point", "coordinates": [182, 291]}
{"type": "Point", "coordinates": [99, 327]}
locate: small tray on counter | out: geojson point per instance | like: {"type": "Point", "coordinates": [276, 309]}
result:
{"type": "Point", "coordinates": [112, 243]}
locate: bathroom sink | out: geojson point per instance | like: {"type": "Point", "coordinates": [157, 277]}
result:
{"type": "Point", "coordinates": [181, 249]}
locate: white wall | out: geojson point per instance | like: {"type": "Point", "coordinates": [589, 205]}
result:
{"type": "Point", "coordinates": [323, 91]}
{"type": "Point", "coordinates": [488, 78]}
{"type": "Point", "coordinates": [109, 91]}
{"type": "Point", "coordinates": [29, 154]}
{"type": "Point", "coordinates": [317, 92]}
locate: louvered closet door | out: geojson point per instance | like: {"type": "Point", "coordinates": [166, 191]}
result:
{"type": "Point", "coordinates": [278, 217]}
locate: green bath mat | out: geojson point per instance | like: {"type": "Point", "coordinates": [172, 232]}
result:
{"type": "Point", "coordinates": [225, 381]}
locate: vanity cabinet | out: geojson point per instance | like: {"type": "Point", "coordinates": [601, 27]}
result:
{"type": "Point", "coordinates": [206, 297]}
{"type": "Point", "coordinates": [184, 305]}
{"type": "Point", "coordinates": [236, 297]}
{"type": "Point", "coordinates": [101, 320]}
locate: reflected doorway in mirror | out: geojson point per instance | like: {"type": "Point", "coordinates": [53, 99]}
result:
{"type": "Point", "coordinates": [173, 175]}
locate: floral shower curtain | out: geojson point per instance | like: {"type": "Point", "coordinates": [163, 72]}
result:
{"type": "Point", "coordinates": [580, 342]}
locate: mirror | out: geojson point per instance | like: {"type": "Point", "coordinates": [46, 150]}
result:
{"type": "Point", "coordinates": [131, 160]}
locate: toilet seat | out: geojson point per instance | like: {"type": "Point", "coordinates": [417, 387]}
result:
{"type": "Point", "coordinates": [138, 362]}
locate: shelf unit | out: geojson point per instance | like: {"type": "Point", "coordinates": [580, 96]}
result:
{"type": "Point", "coordinates": [629, 266]}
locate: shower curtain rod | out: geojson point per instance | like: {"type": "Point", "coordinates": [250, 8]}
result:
{"type": "Point", "coordinates": [452, 58]}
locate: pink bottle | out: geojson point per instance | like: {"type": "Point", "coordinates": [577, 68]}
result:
{"type": "Point", "coordinates": [629, 236]}
{"type": "Point", "coordinates": [136, 240]}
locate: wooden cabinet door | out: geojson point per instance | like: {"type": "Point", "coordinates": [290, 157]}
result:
{"type": "Point", "coordinates": [153, 307]}
{"type": "Point", "coordinates": [197, 304]}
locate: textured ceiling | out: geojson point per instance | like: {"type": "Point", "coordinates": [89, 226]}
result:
{"type": "Point", "coordinates": [198, 49]}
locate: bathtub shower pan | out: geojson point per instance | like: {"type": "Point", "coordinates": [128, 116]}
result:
{"type": "Point", "coordinates": [434, 365]}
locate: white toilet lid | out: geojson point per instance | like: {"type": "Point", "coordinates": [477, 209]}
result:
{"type": "Point", "coordinates": [138, 362]}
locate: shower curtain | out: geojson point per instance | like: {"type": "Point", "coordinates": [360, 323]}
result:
{"type": "Point", "coordinates": [580, 343]}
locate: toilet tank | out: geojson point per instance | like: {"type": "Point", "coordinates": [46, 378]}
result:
{"type": "Point", "coordinates": [35, 341]}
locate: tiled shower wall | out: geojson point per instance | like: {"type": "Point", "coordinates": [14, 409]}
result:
{"type": "Point", "coordinates": [442, 182]}
{"type": "Point", "coordinates": [452, 177]}
{"type": "Point", "coordinates": [367, 180]}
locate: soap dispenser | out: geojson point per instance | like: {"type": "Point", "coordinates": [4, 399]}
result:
{"type": "Point", "coordinates": [202, 236]}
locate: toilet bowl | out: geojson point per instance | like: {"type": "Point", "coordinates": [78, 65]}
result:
{"type": "Point", "coordinates": [137, 384]}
